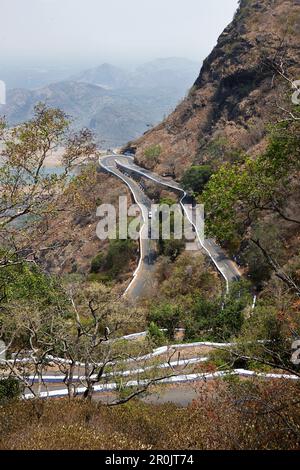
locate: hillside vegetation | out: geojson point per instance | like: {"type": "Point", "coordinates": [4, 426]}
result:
{"type": "Point", "coordinates": [234, 143]}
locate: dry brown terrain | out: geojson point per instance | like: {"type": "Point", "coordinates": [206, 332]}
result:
{"type": "Point", "coordinates": [73, 230]}
{"type": "Point", "coordinates": [235, 95]}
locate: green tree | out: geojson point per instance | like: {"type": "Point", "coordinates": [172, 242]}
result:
{"type": "Point", "coordinates": [195, 178]}
{"type": "Point", "coordinates": [200, 319]}
{"type": "Point", "coordinates": [217, 319]}
{"type": "Point", "coordinates": [166, 315]}
{"type": "Point", "coordinates": [28, 193]}
{"type": "Point", "coordinates": [236, 196]}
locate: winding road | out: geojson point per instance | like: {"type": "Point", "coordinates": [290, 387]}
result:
{"type": "Point", "coordinates": [124, 168]}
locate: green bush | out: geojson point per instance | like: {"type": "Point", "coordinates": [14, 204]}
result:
{"type": "Point", "coordinates": [119, 254]}
{"type": "Point", "coordinates": [100, 277]}
{"type": "Point", "coordinates": [10, 389]}
{"type": "Point", "coordinates": [153, 153]}
{"type": "Point", "coordinates": [201, 318]}
{"type": "Point", "coordinates": [171, 248]}
{"type": "Point", "coordinates": [97, 263]}
{"type": "Point", "coordinates": [155, 334]}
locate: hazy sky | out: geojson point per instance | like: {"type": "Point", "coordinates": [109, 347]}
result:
{"type": "Point", "coordinates": [118, 31]}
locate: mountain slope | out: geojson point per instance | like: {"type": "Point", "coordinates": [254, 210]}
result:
{"type": "Point", "coordinates": [235, 94]}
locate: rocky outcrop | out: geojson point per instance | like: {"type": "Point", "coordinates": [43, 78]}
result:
{"type": "Point", "coordinates": [236, 93]}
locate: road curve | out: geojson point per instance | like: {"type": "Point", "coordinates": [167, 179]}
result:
{"type": "Point", "coordinates": [141, 283]}
{"type": "Point", "coordinates": [123, 166]}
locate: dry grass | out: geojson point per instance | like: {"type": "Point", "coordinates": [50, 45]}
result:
{"type": "Point", "coordinates": [227, 415]}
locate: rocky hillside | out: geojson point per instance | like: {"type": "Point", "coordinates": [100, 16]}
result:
{"type": "Point", "coordinates": [72, 233]}
{"type": "Point", "coordinates": [236, 93]}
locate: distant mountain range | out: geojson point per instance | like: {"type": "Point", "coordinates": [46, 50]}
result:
{"type": "Point", "coordinates": [106, 76]}
{"type": "Point", "coordinates": [118, 105]}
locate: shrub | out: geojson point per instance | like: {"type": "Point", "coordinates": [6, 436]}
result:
{"type": "Point", "coordinates": [155, 334]}
{"type": "Point", "coordinates": [10, 389]}
{"type": "Point", "coordinates": [152, 153]}
{"type": "Point", "coordinates": [119, 254]}
{"type": "Point", "coordinates": [171, 248]}
{"type": "Point", "coordinates": [97, 263]}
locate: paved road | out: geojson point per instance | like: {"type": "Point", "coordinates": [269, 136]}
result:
{"type": "Point", "coordinates": [142, 282]}
{"type": "Point", "coordinates": [124, 167]}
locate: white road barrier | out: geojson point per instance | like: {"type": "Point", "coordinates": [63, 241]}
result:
{"type": "Point", "coordinates": [126, 373]}
{"type": "Point", "coordinates": [156, 352]}
{"type": "Point", "coordinates": [169, 380]}
{"type": "Point", "coordinates": [171, 185]}
{"type": "Point", "coordinates": [144, 216]}
{"type": "Point", "coordinates": [178, 188]}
